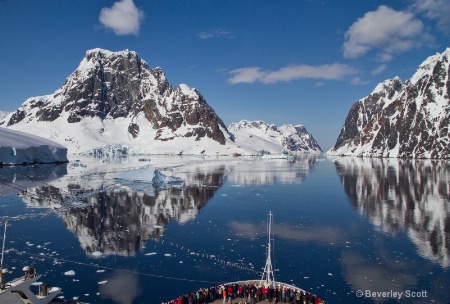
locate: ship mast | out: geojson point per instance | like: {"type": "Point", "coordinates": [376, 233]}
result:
{"type": "Point", "coordinates": [1, 261]}
{"type": "Point", "coordinates": [3, 247]}
{"type": "Point", "coordinates": [268, 275]}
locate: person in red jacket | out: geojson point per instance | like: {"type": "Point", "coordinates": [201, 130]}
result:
{"type": "Point", "coordinates": [230, 290]}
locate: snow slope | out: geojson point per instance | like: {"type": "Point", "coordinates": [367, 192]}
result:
{"type": "Point", "coordinates": [3, 114]}
{"type": "Point", "coordinates": [114, 103]}
{"type": "Point", "coordinates": [18, 148]}
{"type": "Point", "coordinates": [262, 138]}
{"type": "Point", "coordinates": [408, 120]}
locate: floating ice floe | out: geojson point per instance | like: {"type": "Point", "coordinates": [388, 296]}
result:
{"type": "Point", "coordinates": [102, 282]}
{"type": "Point", "coordinates": [151, 253]}
{"type": "Point", "coordinates": [167, 255]}
{"type": "Point", "coordinates": [78, 164]}
{"type": "Point", "coordinates": [69, 273]}
{"type": "Point", "coordinates": [97, 254]}
{"type": "Point", "coordinates": [151, 176]}
{"type": "Point", "coordinates": [101, 270]}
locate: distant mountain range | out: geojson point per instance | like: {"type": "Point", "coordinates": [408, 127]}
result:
{"type": "Point", "coordinates": [114, 103]}
{"type": "Point", "coordinates": [408, 120]}
{"type": "Point", "coordinates": [253, 135]}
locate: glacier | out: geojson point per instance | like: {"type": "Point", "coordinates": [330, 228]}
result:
{"type": "Point", "coordinates": [24, 148]}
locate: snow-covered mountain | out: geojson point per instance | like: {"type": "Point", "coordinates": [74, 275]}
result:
{"type": "Point", "coordinates": [114, 100]}
{"type": "Point", "coordinates": [114, 103]}
{"type": "Point", "coordinates": [19, 148]}
{"type": "Point", "coordinates": [3, 114]}
{"type": "Point", "coordinates": [402, 120]}
{"type": "Point", "coordinates": [264, 138]}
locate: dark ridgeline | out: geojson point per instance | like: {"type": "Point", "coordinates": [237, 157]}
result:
{"type": "Point", "coordinates": [110, 85]}
{"type": "Point", "coordinates": [119, 88]}
{"type": "Point", "coordinates": [408, 120]}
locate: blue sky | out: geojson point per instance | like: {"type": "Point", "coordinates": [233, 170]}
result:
{"type": "Point", "coordinates": [282, 61]}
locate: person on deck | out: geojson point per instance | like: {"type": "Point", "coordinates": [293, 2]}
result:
{"type": "Point", "coordinates": [297, 297]}
{"type": "Point", "coordinates": [270, 293]}
{"type": "Point", "coordinates": [224, 295]}
{"type": "Point", "coordinates": [291, 295]}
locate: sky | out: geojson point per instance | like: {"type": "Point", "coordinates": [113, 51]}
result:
{"type": "Point", "coordinates": [281, 61]}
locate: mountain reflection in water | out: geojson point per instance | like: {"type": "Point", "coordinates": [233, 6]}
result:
{"type": "Point", "coordinates": [17, 178]}
{"type": "Point", "coordinates": [413, 195]}
{"type": "Point", "coordinates": [392, 236]}
{"type": "Point", "coordinates": [119, 218]}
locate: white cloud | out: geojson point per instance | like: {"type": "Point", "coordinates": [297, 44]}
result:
{"type": "Point", "coordinates": [334, 71]}
{"type": "Point", "coordinates": [246, 75]}
{"type": "Point", "coordinates": [386, 30]}
{"type": "Point", "coordinates": [214, 33]}
{"type": "Point", "coordinates": [379, 69]}
{"type": "Point", "coordinates": [437, 10]}
{"type": "Point", "coordinates": [318, 84]}
{"type": "Point", "coordinates": [124, 18]}
{"type": "Point", "coordinates": [358, 81]}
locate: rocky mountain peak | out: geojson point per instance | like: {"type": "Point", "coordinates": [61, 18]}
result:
{"type": "Point", "coordinates": [408, 120]}
{"type": "Point", "coordinates": [113, 85]}
{"type": "Point", "coordinates": [114, 103]}
{"type": "Point", "coordinates": [286, 138]}
{"type": "Point", "coordinates": [433, 65]}
{"type": "Point", "coordinates": [389, 87]}
{"type": "Point", "coordinates": [256, 125]}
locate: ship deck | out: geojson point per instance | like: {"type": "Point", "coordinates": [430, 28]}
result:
{"type": "Point", "coordinates": [239, 300]}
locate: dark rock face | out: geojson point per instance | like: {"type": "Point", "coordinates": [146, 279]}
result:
{"type": "Point", "coordinates": [292, 142]}
{"type": "Point", "coordinates": [191, 111]}
{"type": "Point", "coordinates": [16, 117]}
{"type": "Point", "coordinates": [133, 129]}
{"type": "Point", "coordinates": [407, 121]}
{"type": "Point", "coordinates": [112, 85]}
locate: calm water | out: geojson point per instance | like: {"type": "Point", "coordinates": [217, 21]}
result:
{"type": "Point", "coordinates": [340, 227]}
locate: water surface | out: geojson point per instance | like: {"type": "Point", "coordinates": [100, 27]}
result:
{"type": "Point", "coordinates": [340, 226]}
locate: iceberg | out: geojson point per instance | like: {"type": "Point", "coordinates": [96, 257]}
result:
{"type": "Point", "coordinates": [23, 148]}
{"type": "Point", "coordinates": [161, 179]}
{"type": "Point", "coordinates": [149, 175]}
